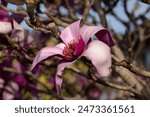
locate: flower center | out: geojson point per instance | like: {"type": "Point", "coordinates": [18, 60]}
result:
{"type": "Point", "coordinates": [69, 49]}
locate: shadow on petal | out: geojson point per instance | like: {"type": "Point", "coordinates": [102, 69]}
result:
{"type": "Point", "coordinates": [100, 56]}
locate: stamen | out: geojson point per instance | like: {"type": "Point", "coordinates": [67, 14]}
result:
{"type": "Point", "coordinates": [69, 49]}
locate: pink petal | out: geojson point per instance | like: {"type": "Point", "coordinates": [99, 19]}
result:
{"type": "Point", "coordinates": [71, 32]}
{"type": "Point", "coordinates": [100, 56]}
{"type": "Point", "coordinates": [28, 40]}
{"type": "Point", "coordinates": [102, 34]}
{"type": "Point", "coordinates": [18, 33]}
{"type": "Point", "coordinates": [61, 45]}
{"type": "Point", "coordinates": [17, 26]}
{"type": "Point", "coordinates": [5, 27]}
{"type": "Point", "coordinates": [46, 53]}
{"type": "Point", "coordinates": [58, 78]}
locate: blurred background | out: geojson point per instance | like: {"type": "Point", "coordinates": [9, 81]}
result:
{"type": "Point", "coordinates": [128, 20]}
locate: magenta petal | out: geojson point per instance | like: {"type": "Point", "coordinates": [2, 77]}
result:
{"type": "Point", "coordinates": [46, 53]}
{"type": "Point", "coordinates": [58, 78]}
{"type": "Point", "coordinates": [102, 34]}
{"type": "Point", "coordinates": [105, 36]}
{"type": "Point", "coordinates": [79, 47]}
{"type": "Point", "coordinates": [20, 80]}
{"type": "Point", "coordinates": [71, 32]}
{"type": "Point", "coordinates": [5, 27]}
{"type": "Point", "coordinates": [100, 56]}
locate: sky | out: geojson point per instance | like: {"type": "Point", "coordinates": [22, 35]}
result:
{"type": "Point", "coordinates": [118, 27]}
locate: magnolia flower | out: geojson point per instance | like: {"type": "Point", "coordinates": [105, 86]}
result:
{"type": "Point", "coordinates": [8, 23]}
{"type": "Point", "coordinates": [77, 43]}
{"type": "Point", "coordinates": [19, 35]}
{"type": "Point", "coordinates": [5, 24]}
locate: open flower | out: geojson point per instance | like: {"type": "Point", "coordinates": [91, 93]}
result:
{"type": "Point", "coordinates": [77, 43]}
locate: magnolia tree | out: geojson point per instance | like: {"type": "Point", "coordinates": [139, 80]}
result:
{"type": "Point", "coordinates": [70, 49]}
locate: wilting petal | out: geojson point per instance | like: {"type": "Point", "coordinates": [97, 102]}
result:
{"type": "Point", "coordinates": [102, 34]}
{"type": "Point", "coordinates": [46, 53]}
{"type": "Point", "coordinates": [58, 78]}
{"type": "Point", "coordinates": [71, 32]}
{"type": "Point", "coordinates": [100, 56]}
{"type": "Point", "coordinates": [5, 27]}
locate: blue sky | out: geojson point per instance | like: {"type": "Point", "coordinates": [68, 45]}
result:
{"type": "Point", "coordinates": [118, 27]}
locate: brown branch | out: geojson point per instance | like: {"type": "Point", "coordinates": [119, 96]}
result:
{"type": "Point", "coordinates": [88, 5]}
{"type": "Point", "coordinates": [34, 22]}
{"type": "Point", "coordinates": [19, 12]}
{"type": "Point", "coordinates": [70, 10]}
{"type": "Point", "coordinates": [129, 77]}
{"type": "Point", "coordinates": [100, 12]}
{"type": "Point", "coordinates": [56, 20]}
{"type": "Point", "coordinates": [132, 68]}
{"type": "Point", "coordinates": [103, 82]}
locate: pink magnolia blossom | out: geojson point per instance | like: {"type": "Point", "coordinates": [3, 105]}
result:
{"type": "Point", "coordinates": [9, 24]}
{"type": "Point", "coordinates": [77, 43]}
{"type": "Point", "coordinates": [19, 35]}
{"type": "Point", "coordinates": [5, 24]}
